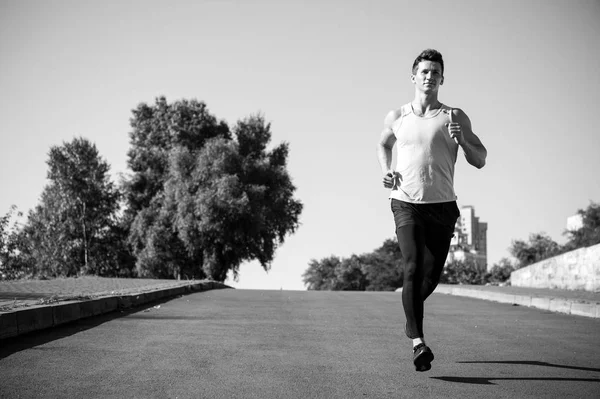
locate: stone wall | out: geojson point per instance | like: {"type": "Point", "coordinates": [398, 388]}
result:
{"type": "Point", "coordinates": [575, 270]}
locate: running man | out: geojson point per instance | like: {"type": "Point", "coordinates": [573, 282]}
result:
{"type": "Point", "coordinates": [427, 135]}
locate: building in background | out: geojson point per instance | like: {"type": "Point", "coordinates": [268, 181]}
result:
{"type": "Point", "coordinates": [470, 238]}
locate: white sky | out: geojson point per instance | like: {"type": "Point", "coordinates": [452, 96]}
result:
{"type": "Point", "coordinates": [324, 73]}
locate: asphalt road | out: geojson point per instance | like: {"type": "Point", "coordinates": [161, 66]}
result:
{"type": "Point", "coordinates": [292, 344]}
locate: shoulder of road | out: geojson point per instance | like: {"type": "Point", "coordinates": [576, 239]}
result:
{"type": "Point", "coordinates": [574, 302]}
{"type": "Point", "coordinates": [30, 305]}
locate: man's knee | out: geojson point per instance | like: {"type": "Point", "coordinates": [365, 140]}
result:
{"type": "Point", "coordinates": [410, 270]}
{"type": "Point", "coordinates": [433, 275]}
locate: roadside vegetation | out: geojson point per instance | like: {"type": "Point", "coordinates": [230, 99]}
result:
{"type": "Point", "coordinates": [381, 270]}
{"type": "Point", "coordinates": [200, 198]}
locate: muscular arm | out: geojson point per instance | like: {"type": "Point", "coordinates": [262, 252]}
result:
{"type": "Point", "coordinates": [386, 142]}
{"type": "Point", "coordinates": [474, 150]}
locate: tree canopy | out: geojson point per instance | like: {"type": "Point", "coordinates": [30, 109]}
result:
{"type": "Point", "coordinates": [380, 270]}
{"type": "Point", "coordinates": [11, 263]}
{"type": "Point", "coordinates": [203, 198]}
{"type": "Point", "coordinates": [69, 231]}
{"type": "Point", "coordinates": [589, 233]}
{"type": "Point", "coordinates": [540, 246]}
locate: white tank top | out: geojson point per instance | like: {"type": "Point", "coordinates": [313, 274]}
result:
{"type": "Point", "coordinates": [426, 155]}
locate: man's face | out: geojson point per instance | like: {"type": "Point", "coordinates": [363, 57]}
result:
{"type": "Point", "coordinates": [428, 77]}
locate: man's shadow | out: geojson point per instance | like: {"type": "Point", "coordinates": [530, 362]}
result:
{"type": "Point", "coordinates": [488, 380]}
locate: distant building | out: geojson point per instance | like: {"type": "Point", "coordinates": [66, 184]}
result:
{"type": "Point", "coordinates": [470, 238]}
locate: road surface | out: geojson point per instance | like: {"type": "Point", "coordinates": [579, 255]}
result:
{"type": "Point", "coordinates": [294, 344]}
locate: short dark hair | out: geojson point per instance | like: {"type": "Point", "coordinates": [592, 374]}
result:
{"type": "Point", "coordinates": [428, 55]}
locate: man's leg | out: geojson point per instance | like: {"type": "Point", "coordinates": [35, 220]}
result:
{"type": "Point", "coordinates": [437, 242]}
{"type": "Point", "coordinates": [411, 239]}
{"type": "Point", "coordinates": [440, 229]}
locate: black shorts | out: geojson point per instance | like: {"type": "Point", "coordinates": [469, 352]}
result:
{"type": "Point", "coordinates": [438, 215]}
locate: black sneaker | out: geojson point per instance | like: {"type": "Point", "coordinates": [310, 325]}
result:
{"type": "Point", "coordinates": [422, 357]}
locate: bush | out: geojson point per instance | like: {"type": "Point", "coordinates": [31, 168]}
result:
{"type": "Point", "coordinates": [463, 272]}
{"type": "Point", "coordinates": [500, 272]}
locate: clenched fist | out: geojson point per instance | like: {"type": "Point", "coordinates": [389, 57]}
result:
{"type": "Point", "coordinates": [455, 131]}
{"type": "Point", "coordinates": [389, 179]}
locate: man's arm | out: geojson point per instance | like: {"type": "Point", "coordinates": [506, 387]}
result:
{"type": "Point", "coordinates": [384, 148]}
{"type": "Point", "coordinates": [461, 130]}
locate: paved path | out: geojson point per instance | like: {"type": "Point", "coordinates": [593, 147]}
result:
{"type": "Point", "coordinates": [294, 344]}
{"type": "Point", "coordinates": [30, 305]}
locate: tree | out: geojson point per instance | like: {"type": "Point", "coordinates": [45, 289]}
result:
{"type": "Point", "coordinates": [349, 275]}
{"type": "Point", "coordinates": [320, 275]}
{"type": "Point", "coordinates": [156, 130]}
{"type": "Point", "coordinates": [66, 233]}
{"type": "Point", "coordinates": [6, 244]}
{"type": "Point", "coordinates": [50, 243]}
{"type": "Point", "coordinates": [462, 272]}
{"type": "Point", "coordinates": [384, 267]}
{"type": "Point", "coordinates": [203, 200]}
{"type": "Point", "coordinates": [539, 247]}
{"type": "Point", "coordinates": [500, 272]}
{"type": "Point", "coordinates": [589, 233]}
{"type": "Point", "coordinates": [380, 270]}
{"type": "Point", "coordinates": [12, 263]}
{"type": "Point", "coordinates": [158, 250]}
{"type": "Point", "coordinates": [113, 257]}
{"type": "Point", "coordinates": [82, 177]}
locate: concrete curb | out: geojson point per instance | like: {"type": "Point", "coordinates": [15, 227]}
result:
{"type": "Point", "coordinates": [558, 305]}
{"type": "Point", "coordinates": [25, 320]}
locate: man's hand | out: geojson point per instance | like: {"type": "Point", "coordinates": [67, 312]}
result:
{"type": "Point", "coordinates": [389, 179]}
{"type": "Point", "coordinates": [462, 133]}
{"type": "Point", "coordinates": [455, 130]}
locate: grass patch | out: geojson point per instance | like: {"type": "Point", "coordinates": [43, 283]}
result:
{"type": "Point", "coordinates": [54, 299]}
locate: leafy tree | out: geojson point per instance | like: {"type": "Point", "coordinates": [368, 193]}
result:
{"type": "Point", "coordinates": [349, 275]}
{"type": "Point", "coordinates": [6, 244]}
{"type": "Point", "coordinates": [203, 199]}
{"type": "Point", "coordinates": [462, 272]}
{"type": "Point", "coordinates": [116, 258]}
{"type": "Point", "coordinates": [68, 231]}
{"type": "Point", "coordinates": [156, 131]}
{"type": "Point", "coordinates": [320, 275]}
{"type": "Point", "coordinates": [380, 270]}
{"type": "Point", "coordinates": [12, 263]}
{"type": "Point", "coordinates": [158, 250]}
{"type": "Point", "coordinates": [589, 233]}
{"type": "Point", "coordinates": [384, 267]}
{"type": "Point", "coordinates": [49, 240]}
{"type": "Point", "coordinates": [539, 247]}
{"type": "Point", "coordinates": [82, 176]}
{"type": "Point", "coordinates": [500, 272]}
